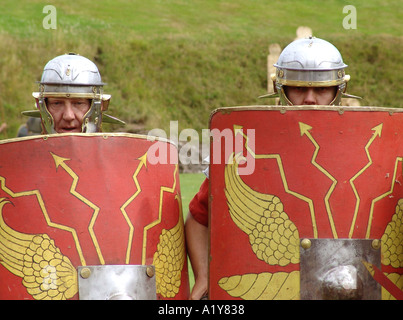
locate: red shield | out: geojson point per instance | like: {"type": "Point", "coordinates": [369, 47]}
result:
{"type": "Point", "coordinates": [75, 200]}
{"type": "Point", "coordinates": [292, 174]}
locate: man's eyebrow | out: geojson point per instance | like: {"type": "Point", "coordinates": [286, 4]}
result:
{"type": "Point", "coordinates": [78, 99]}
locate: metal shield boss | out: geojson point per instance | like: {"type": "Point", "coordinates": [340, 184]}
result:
{"type": "Point", "coordinates": [306, 203]}
{"type": "Point", "coordinates": [94, 216]}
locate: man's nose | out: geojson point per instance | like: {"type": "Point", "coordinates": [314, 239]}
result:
{"type": "Point", "coordinates": [310, 97]}
{"type": "Point", "coordinates": [68, 113]}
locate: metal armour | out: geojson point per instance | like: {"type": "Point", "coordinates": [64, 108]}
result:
{"type": "Point", "coordinates": [73, 76]}
{"type": "Point", "coordinates": [310, 62]}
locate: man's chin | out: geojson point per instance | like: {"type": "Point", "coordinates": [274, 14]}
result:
{"type": "Point", "coordinates": [69, 130]}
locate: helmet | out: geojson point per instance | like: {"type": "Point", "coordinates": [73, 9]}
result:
{"type": "Point", "coordinates": [310, 62]}
{"type": "Point", "coordinates": [73, 76]}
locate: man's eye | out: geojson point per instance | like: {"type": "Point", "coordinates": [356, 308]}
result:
{"type": "Point", "coordinates": [80, 103]}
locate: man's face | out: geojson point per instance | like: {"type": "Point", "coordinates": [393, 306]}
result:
{"type": "Point", "coordinates": [310, 95]}
{"type": "Point", "coordinates": [68, 113]}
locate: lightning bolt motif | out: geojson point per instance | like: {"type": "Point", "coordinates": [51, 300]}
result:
{"type": "Point", "coordinates": [277, 157]}
{"type": "Point", "coordinates": [158, 221]}
{"type": "Point", "coordinates": [61, 162]}
{"type": "Point", "coordinates": [143, 162]}
{"type": "Point", "coordinates": [377, 133]}
{"type": "Point", "coordinates": [371, 213]}
{"type": "Point", "coordinates": [304, 128]}
{"type": "Point", "coordinates": [41, 203]}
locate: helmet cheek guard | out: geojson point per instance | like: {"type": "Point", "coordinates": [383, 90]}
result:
{"type": "Point", "coordinates": [93, 118]}
{"type": "Point", "coordinates": [73, 76]}
{"type": "Point", "coordinates": [310, 62]}
{"type": "Point", "coordinates": [45, 115]}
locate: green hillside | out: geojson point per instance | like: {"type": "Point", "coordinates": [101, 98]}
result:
{"type": "Point", "coordinates": [180, 59]}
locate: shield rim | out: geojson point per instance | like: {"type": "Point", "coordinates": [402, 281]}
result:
{"type": "Point", "coordinates": [105, 135]}
{"type": "Point", "coordinates": [283, 109]}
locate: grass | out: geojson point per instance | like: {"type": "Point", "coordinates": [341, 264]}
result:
{"type": "Point", "coordinates": [190, 184]}
{"type": "Point", "coordinates": [200, 19]}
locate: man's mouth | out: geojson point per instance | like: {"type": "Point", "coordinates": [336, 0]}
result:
{"type": "Point", "coordinates": [70, 130]}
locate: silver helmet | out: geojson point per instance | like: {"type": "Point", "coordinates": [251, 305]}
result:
{"type": "Point", "coordinates": [310, 62]}
{"type": "Point", "coordinates": [73, 76]}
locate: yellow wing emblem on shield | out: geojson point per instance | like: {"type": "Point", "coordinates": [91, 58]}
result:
{"type": "Point", "coordinates": [169, 260]}
{"type": "Point", "coordinates": [273, 237]}
{"type": "Point", "coordinates": [263, 286]}
{"type": "Point", "coordinates": [45, 272]}
{"type": "Point", "coordinates": [392, 248]}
